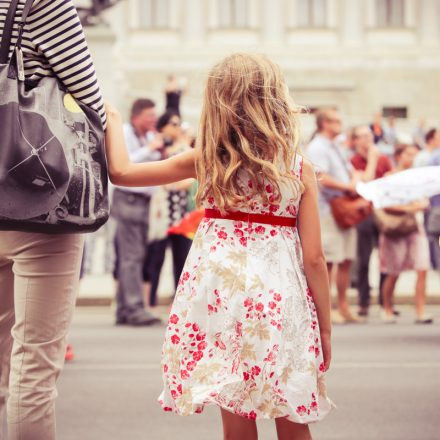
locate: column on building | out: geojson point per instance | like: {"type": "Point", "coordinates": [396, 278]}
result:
{"type": "Point", "coordinates": [273, 20]}
{"type": "Point", "coordinates": [195, 21]}
{"type": "Point", "coordinates": [430, 22]}
{"type": "Point", "coordinates": [352, 22]}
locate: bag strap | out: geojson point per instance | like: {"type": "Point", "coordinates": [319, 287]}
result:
{"type": "Point", "coordinates": [341, 158]}
{"type": "Point", "coordinates": [24, 16]}
{"type": "Point", "coordinates": [7, 32]}
{"type": "Point", "coordinates": [9, 25]}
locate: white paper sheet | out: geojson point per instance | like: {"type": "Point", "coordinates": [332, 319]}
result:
{"type": "Point", "coordinates": [402, 188]}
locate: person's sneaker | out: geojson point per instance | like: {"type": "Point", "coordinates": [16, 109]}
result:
{"type": "Point", "coordinates": [70, 355]}
{"type": "Point", "coordinates": [121, 321]}
{"type": "Point", "coordinates": [388, 319]}
{"type": "Point", "coordinates": [425, 319]}
{"type": "Point", "coordinates": [363, 312]}
{"type": "Point", "coordinates": [349, 317]}
{"type": "Point", "coordinates": [143, 320]}
{"type": "Point", "coordinates": [337, 318]}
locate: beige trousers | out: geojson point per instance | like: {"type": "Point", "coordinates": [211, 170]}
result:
{"type": "Point", "coordinates": [39, 276]}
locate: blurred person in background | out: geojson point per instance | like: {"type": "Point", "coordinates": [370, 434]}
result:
{"type": "Point", "coordinates": [344, 141]}
{"type": "Point", "coordinates": [432, 144]}
{"type": "Point", "coordinates": [170, 208]}
{"type": "Point", "coordinates": [390, 130]}
{"type": "Point", "coordinates": [188, 135]}
{"type": "Point", "coordinates": [374, 165]}
{"type": "Point", "coordinates": [378, 129]}
{"type": "Point", "coordinates": [433, 220]}
{"type": "Point", "coordinates": [384, 137]}
{"type": "Point", "coordinates": [335, 178]}
{"type": "Point", "coordinates": [173, 94]}
{"type": "Point", "coordinates": [130, 209]}
{"type": "Point", "coordinates": [406, 252]}
{"type": "Point", "coordinates": [420, 134]}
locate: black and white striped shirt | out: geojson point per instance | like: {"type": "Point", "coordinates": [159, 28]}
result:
{"type": "Point", "coordinates": [54, 45]}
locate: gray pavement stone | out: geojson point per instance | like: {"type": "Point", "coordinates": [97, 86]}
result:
{"type": "Point", "coordinates": [384, 379]}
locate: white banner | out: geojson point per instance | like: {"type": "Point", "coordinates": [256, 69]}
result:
{"type": "Point", "coordinates": [402, 188]}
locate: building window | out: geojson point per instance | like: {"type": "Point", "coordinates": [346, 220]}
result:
{"type": "Point", "coordinates": [313, 109]}
{"type": "Point", "coordinates": [154, 14]}
{"type": "Point", "coordinates": [396, 112]}
{"type": "Point", "coordinates": [312, 13]}
{"type": "Point", "coordinates": [390, 13]}
{"type": "Point", "coordinates": [233, 13]}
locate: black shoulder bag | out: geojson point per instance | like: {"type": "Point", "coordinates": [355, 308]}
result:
{"type": "Point", "coordinates": [53, 172]}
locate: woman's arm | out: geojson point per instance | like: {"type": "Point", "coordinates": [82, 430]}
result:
{"type": "Point", "coordinates": [125, 173]}
{"type": "Point", "coordinates": [372, 160]}
{"type": "Point", "coordinates": [314, 261]}
{"type": "Point", "coordinates": [410, 208]}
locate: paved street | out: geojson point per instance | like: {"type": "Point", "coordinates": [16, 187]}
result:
{"type": "Point", "coordinates": [385, 381]}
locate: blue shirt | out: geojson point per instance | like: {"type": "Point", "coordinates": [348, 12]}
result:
{"type": "Point", "coordinates": [328, 158]}
{"type": "Point", "coordinates": [138, 151]}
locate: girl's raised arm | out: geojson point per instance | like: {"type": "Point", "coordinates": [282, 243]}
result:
{"type": "Point", "coordinates": [125, 173]}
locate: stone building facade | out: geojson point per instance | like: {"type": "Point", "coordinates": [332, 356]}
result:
{"type": "Point", "coordinates": [361, 56]}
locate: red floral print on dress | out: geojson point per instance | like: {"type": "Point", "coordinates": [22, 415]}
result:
{"type": "Point", "coordinates": [222, 235]}
{"type": "Point", "coordinates": [174, 319]}
{"type": "Point", "coordinates": [238, 233]}
{"type": "Point", "coordinates": [260, 229]}
{"type": "Point", "coordinates": [243, 324]}
{"type": "Point", "coordinates": [301, 410]}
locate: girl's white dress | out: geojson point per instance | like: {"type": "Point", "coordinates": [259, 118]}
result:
{"type": "Point", "coordinates": [243, 332]}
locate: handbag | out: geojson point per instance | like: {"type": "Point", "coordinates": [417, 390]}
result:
{"type": "Point", "coordinates": [395, 225]}
{"type": "Point", "coordinates": [349, 211]}
{"type": "Point", "coordinates": [53, 172]}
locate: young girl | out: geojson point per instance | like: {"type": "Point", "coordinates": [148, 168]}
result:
{"type": "Point", "coordinates": [249, 330]}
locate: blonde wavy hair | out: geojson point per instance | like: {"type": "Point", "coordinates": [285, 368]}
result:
{"type": "Point", "coordinates": [248, 122]}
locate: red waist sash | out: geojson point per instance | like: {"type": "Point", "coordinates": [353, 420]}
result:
{"type": "Point", "coordinates": [267, 219]}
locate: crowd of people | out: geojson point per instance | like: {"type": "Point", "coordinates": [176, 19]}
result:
{"type": "Point", "coordinates": [144, 216]}
{"type": "Point", "coordinates": [364, 153]}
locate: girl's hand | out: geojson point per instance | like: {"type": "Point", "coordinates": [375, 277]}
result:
{"type": "Point", "coordinates": [326, 349]}
{"type": "Point", "coordinates": [125, 173]}
{"type": "Point", "coordinates": [112, 112]}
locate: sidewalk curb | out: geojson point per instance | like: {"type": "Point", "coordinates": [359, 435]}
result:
{"type": "Point", "coordinates": [108, 301]}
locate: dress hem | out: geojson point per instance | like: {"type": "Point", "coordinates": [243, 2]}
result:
{"type": "Point", "coordinates": [212, 402]}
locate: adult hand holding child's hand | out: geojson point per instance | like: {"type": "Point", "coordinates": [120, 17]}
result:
{"type": "Point", "coordinates": [112, 112]}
